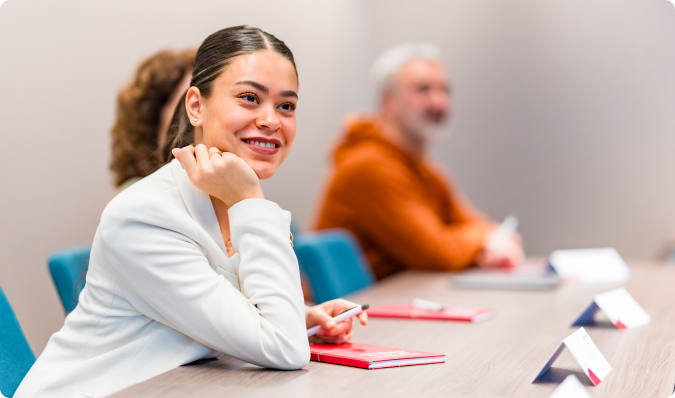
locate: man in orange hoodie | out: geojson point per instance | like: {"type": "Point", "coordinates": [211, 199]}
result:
{"type": "Point", "coordinates": [387, 192]}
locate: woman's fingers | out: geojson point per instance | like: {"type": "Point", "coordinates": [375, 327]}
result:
{"type": "Point", "coordinates": [341, 328]}
{"type": "Point", "coordinates": [323, 314]}
{"type": "Point", "coordinates": [234, 159]}
{"type": "Point", "coordinates": [187, 159]}
{"type": "Point", "coordinates": [202, 154]}
{"type": "Point", "coordinates": [213, 151]}
{"type": "Point", "coordinates": [317, 316]}
{"type": "Point", "coordinates": [363, 318]}
{"type": "Point", "coordinates": [341, 305]}
{"type": "Point", "coordinates": [336, 340]}
{"type": "Point", "coordinates": [223, 175]}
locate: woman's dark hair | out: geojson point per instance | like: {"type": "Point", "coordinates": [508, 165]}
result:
{"type": "Point", "coordinates": [213, 56]}
{"type": "Point", "coordinates": [135, 142]}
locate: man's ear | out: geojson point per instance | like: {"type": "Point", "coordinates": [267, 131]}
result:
{"type": "Point", "coordinates": [387, 103]}
{"type": "Point", "coordinates": [193, 105]}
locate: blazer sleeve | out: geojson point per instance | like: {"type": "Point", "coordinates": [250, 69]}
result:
{"type": "Point", "coordinates": [391, 211]}
{"type": "Point", "coordinates": [165, 274]}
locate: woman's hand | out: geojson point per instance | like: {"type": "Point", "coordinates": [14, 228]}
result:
{"type": "Point", "coordinates": [224, 176]}
{"type": "Point", "coordinates": [330, 332]}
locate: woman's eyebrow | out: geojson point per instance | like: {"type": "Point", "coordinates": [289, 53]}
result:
{"type": "Point", "coordinates": [289, 93]}
{"type": "Point", "coordinates": [264, 89]}
{"type": "Point", "coordinates": [256, 85]}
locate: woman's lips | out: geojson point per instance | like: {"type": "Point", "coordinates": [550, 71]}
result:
{"type": "Point", "coordinates": [263, 146]}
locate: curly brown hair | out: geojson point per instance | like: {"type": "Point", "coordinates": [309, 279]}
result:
{"type": "Point", "coordinates": [135, 136]}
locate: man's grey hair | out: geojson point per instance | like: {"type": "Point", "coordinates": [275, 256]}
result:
{"type": "Point", "coordinates": [391, 61]}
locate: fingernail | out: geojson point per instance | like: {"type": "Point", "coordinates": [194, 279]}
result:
{"type": "Point", "coordinates": [330, 324]}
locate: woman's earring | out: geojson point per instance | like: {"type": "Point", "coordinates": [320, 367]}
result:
{"type": "Point", "coordinates": [194, 120]}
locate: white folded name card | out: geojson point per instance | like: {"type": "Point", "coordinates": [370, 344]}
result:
{"type": "Point", "coordinates": [590, 265]}
{"type": "Point", "coordinates": [619, 306]}
{"type": "Point", "coordinates": [571, 387]}
{"type": "Point", "coordinates": [594, 365]}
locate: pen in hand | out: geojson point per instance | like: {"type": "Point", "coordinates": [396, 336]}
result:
{"type": "Point", "coordinates": [505, 231]}
{"type": "Point", "coordinates": [350, 313]}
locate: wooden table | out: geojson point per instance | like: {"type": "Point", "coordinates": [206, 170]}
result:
{"type": "Point", "coordinates": [496, 358]}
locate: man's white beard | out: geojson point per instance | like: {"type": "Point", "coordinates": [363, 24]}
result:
{"type": "Point", "coordinates": [419, 129]}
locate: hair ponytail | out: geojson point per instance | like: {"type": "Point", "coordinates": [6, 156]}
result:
{"type": "Point", "coordinates": [181, 132]}
{"type": "Point", "coordinates": [213, 56]}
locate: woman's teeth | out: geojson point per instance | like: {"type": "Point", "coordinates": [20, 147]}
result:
{"type": "Point", "coordinates": [261, 144]}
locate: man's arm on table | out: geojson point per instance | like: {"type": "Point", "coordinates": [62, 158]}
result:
{"type": "Point", "coordinates": [392, 212]}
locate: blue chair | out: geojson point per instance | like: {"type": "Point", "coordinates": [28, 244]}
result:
{"type": "Point", "coordinates": [68, 268]}
{"type": "Point", "coordinates": [16, 357]}
{"type": "Point", "coordinates": [333, 262]}
{"type": "Point", "coordinates": [294, 230]}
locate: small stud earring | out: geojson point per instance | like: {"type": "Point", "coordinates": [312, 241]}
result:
{"type": "Point", "coordinates": [194, 120]}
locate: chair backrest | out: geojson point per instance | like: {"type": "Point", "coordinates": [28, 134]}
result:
{"type": "Point", "coordinates": [16, 357]}
{"type": "Point", "coordinates": [294, 230]}
{"type": "Point", "coordinates": [68, 268]}
{"type": "Point", "coordinates": [334, 263]}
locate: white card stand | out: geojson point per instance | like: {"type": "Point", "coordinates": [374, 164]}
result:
{"type": "Point", "coordinates": [594, 365]}
{"type": "Point", "coordinates": [590, 265]}
{"type": "Point", "coordinates": [571, 387]}
{"type": "Point", "coordinates": [619, 306]}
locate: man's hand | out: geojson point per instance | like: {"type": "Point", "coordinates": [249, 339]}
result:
{"type": "Point", "coordinates": [330, 332]}
{"type": "Point", "coordinates": [508, 255]}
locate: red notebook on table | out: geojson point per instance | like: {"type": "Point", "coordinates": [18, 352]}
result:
{"type": "Point", "coordinates": [371, 356]}
{"type": "Point", "coordinates": [468, 314]}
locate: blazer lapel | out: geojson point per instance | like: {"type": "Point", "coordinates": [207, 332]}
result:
{"type": "Point", "coordinates": [198, 204]}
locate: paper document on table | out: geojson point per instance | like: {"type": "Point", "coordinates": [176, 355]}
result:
{"type": "Point", "coordinates": [530, 275]}
{"type": "Point", "coordinates": [590, 265]}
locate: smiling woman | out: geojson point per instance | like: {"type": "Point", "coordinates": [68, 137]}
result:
{"type": "Point", "coordinates": [253, 99]}
{"type": "Point", "coordinates": [192, 261]}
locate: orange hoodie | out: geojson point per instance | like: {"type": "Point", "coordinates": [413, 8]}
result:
{"type": "Point", "coordinates": [401, 209]}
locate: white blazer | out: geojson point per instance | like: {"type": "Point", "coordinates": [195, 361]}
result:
{"type": "Point", "coordinates": [161, 292]}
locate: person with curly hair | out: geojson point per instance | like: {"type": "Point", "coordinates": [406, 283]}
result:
{"type": "Point", "coordinates": [144, 110]}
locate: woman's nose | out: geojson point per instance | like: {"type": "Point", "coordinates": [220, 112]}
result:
{"type": "Point", "coordinates": [268, 119]}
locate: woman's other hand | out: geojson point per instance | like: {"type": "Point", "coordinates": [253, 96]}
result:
{"type": "Point", "coordinates": [330, 332]}
{"type": "Point", "coordinates": [224, 176]}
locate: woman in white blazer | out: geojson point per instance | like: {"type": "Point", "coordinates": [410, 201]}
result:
{"type": "Point", "coordinates": [192, 261]}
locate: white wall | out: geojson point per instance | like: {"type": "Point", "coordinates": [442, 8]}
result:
{"type": "Point", "coordinates": [563, 113]}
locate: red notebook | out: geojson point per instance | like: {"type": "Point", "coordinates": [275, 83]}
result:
{"type": "Point", "coordinates": [468, 314]}
{"type": "Point", "coordinates": [371, 356]}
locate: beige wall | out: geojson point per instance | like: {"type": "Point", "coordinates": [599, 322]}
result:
{"type": "Point", "coordinates": [563, 113]}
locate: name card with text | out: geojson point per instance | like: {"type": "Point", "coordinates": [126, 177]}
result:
{"type": "Point", "coordinates": [587, 355]}
{"type": "Point", "coordinates": [619, 306]}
